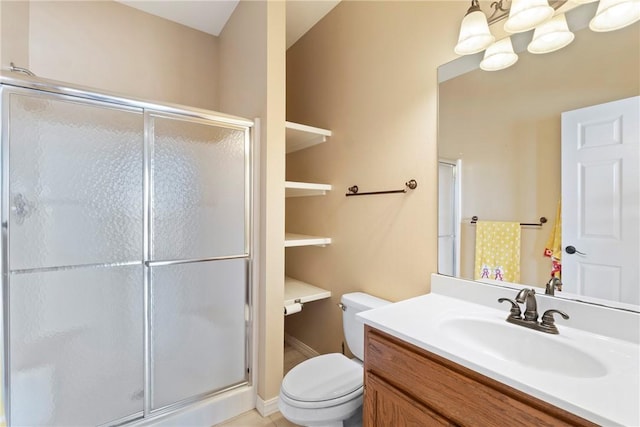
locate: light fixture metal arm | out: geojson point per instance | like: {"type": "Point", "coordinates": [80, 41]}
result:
{"type": "Point", "coordinates": [499, 10]}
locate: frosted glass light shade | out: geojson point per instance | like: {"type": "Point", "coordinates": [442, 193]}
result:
{"type": "Point", "coordinates": [615, 14]}
{"type": "Point", "coordinates": [551, 36]}
{"type": "Point", "coordinates": [474, 33]}
{"type": "Point", "coordinates": [499, 56]}
{"type": "Point", "coordinates": [527, 14]}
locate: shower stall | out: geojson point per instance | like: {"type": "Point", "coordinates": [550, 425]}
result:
{"type": "Point", "coordinates": [126, 255]}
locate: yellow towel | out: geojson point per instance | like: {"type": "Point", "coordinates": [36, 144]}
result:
{"type": "Point", "coordinates": [497, 251]}
{"type": "Point", "coordinates": [553, 248]}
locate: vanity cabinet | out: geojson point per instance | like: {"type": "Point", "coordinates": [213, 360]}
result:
{"type": "Point", "coordinates": [406, 385]}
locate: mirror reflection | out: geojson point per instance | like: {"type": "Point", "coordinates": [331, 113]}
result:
{"type": "Point", "coordinates": [500, 147]}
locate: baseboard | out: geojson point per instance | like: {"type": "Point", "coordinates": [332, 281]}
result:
{"type": "Point", "coordinates": [267, 407]}
{"type": "Point", "coordinates": [300, 346]}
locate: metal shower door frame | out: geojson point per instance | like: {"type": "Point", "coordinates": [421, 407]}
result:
{"type": "Point", "coordinates": [55, 90]}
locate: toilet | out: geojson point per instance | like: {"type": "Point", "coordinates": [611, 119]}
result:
{"type": "Point", "coordinates": [326, 390]}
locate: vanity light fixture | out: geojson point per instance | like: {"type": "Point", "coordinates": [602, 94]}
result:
{"type": "Point", "coordinates": [551, 36]}
{"type": "Point", "coordinates": [499, 56]}
{"type": "Point", "coordinates": [615, 14]}
{"type": "Point", "coordinates": [474, 32]}
{"type": "Point", "coordinates": [551, 33]}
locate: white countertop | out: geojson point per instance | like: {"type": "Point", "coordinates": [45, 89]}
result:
{"type": "Point", "coordinates": [611, 399]}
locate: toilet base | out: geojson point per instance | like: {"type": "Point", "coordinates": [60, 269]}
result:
{"type": "Point", "coordinates": [347, 414]}
{"type": "Point", "coordinates": [354, 421]}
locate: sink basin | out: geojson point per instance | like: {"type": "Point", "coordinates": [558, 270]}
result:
{"type": "Point", "coordinates": [522, 346]}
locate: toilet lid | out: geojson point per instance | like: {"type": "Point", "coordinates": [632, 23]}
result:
{"type": "Point", "coordinates": [325, 377]}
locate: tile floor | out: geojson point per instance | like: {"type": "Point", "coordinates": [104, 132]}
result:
{"type": "Point", "coordinates": [252, 418]}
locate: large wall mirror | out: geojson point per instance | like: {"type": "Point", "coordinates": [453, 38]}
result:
{"type": "Point", "coordinates": [499, 142]}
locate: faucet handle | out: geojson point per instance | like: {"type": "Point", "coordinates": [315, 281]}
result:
{"type": "Point", "coordinates": [548, 322]}
{"type": "Point", "coordinates": [515, 312]}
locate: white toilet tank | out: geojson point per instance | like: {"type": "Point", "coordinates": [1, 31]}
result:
{"type": "Point", "coordinates": [352, 304]}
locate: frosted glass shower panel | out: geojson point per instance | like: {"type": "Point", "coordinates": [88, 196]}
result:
{"type": "Point", "coordinates": [199, 197]}
{"type": "Point", "coordinates": [75, 183]}
{"type": "Point", "coordinates": [199, 328]}
{"type": "Point", "coordinates": [76, 346]}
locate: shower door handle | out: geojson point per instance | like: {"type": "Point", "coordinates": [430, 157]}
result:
{"type": "Point", "coordinates": [22, 207]}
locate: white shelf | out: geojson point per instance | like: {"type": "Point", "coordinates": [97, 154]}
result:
{"type": "Point", "coordinates": [301, 189]}
{"type": "Point", "coordinates": [296, 290]}
{"type": "Point", "coordinates": [293, 240]}
{"type": "Point", "coordinates": [300, 136]}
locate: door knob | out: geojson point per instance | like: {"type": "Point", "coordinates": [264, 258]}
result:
{"type": "Point", "coordinates": [572, 250]}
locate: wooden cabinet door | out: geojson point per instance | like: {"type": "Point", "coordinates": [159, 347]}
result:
{"type": "Point", "coordinates": [387, 406]}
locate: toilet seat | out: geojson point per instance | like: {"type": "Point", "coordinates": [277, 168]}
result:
{"type": "Point", "coordinates": [323, 381]}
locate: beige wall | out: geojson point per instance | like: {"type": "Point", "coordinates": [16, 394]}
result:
{"type": "Point", "coordinates": [252, 57]}
{"type": "Point", "coordinates": [367, 71]}
{"type": "Point", "coordinates": [505, 126]}
{"type": "Point", "coordinates": [14, 33]}
{"type": "Point", "coordinates": [110, 46]}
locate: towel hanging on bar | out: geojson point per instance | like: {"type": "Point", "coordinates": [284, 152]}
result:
{"type": "Point", "coordinates": [497, 254]}
{"type": "Point", "coordinates": [553, 248]}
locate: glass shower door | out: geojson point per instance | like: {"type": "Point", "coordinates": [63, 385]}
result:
{"type": "Point", "coordinates": [125, 257]}
{"type": "Point", "coordinates": [74, 274]}
{"type": "Point", "coordinates": [447, 219]}
{"type": "Point", "coordinates": [198, 261]}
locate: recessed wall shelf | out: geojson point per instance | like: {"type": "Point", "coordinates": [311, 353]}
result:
{"type": "Point", "coordinates": [300, 136]}
{"type": "Point", "coordinates": [299, 291]}
{"type": "Point", "coordinates": [293, 240]}
{"type": "Point", "coordinates": [301, 189]}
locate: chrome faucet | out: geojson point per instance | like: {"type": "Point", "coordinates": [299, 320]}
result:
{"type": "Point", "coordinates": [552, 285]}
{"type": "Point", "coordinates": [530, 319]}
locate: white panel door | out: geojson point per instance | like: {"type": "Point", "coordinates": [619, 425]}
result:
{"type": "Point", "coordinates": [600, 186]}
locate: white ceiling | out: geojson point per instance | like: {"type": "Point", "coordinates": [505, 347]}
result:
{"type": "Point", "coordinates": [210, 16]}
